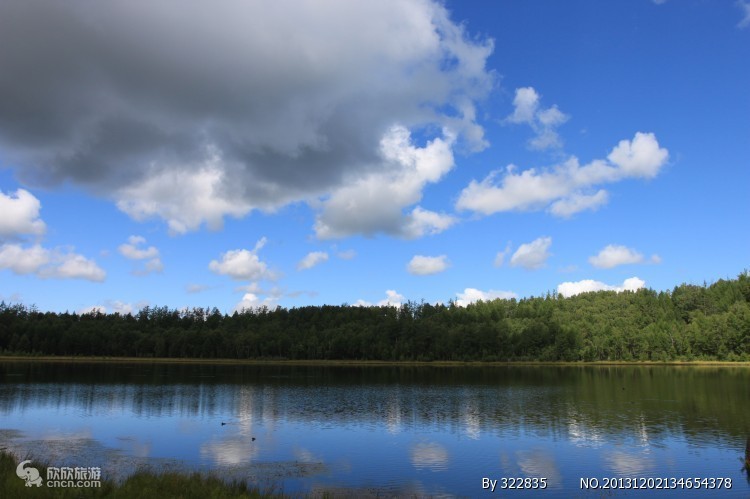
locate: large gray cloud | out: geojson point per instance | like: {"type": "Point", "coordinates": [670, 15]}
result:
{"type": "Point", "coordinates": [191, 112]}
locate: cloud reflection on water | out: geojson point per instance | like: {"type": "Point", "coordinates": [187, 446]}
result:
{"type": "Point", "coordinates": [429, 455]}
{"type": "Point", "coordinates": [539, 463]}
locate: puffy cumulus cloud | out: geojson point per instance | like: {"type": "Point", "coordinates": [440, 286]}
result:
{"type": "Point", "coordinates": [472, 295]}
{"type": "Point", "coordinates": [533, 255]}
{"type": "Point", "coordinates": [242, 264]}
{"type": "Point", "coordinates": [22, 260]}
{"type": "Point", "coordinates": [255, 297]}
{"type": "Point", "coordinates": [526, 110]}
{"type": "Point", "coordinates": [392, 299]}
{"type": "Point", "coordinates": [312, 259]}
{"type": "Point", "coordinates": [20, 214]}
{"type": "Point", "coordinates": [567, 289]}
{"type": "Point", "coordinates": [745, 6]}
{"type": "Point", "coordinates": [73, 266]}
{"type": "Point", "coordinates": [45, 263]}
{"type": "Point", "coordinates": [219, 108]}
{"type": "Point", "coordinates": [564, 189]}
{"type": "Point", "coordinates": [375, 202]}
{"type": "Point", "coordinates": [133, 250]}
{"type": "Point", "coordinates": [426, 265]}
{"type": "Point", "coordinates": [252, 301]}
{"type": "Point", "coordinates": [613, 255]}
{"type": "Point", "coordinates": [185, 199]}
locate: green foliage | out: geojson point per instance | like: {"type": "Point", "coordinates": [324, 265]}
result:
{"type": "Point", "coordinates": [690, 323]}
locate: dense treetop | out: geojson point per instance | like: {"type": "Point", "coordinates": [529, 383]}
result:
{"type": "Point", "coordinates": [709, 322]}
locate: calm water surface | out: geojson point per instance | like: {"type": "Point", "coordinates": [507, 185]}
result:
{"type": "Point", "coordinates": [386, 431]}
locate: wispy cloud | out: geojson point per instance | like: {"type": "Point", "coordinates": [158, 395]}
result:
{"type": "Point", "coordinates": [312, 259]}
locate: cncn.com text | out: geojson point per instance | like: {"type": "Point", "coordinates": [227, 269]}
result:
{"type": "Point", "coordinates": [73, 483]}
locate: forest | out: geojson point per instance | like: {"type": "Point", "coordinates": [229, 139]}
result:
{"type": "Point", "coordinates": [690, 322]}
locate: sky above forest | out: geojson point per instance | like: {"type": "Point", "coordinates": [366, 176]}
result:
{"type": "Point", "coordinates": [237, 154]}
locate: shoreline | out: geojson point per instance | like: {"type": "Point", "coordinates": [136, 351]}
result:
{"type": "Point", "coordinates": [362, 363]}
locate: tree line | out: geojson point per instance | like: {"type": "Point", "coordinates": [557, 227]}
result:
{"type": "Point", "coordinates": [709, 322]}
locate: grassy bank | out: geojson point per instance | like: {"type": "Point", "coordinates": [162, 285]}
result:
{"type": "Point", "coordinates": [142, 484]}
{"type": "Point", "coordinates": [168, 360]}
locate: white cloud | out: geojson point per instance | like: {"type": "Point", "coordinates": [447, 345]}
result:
{"type": "Point", "coordinates": [116, 307]}
{"type": "Point", "coordinates": [251, 301]}
{"type": "Point", "coordinates": [253, 287]}
{"type": "Point", "coordinates": [472, 295]}
{"type": "Point", "coordinates": [196, 288]}
{"type": "Point", "coordinates": [567, 289]}
{"type": "Point", "coordinates": [427, 265]}
{"type": "Point", "coordinates": [20, 214]}
{"type": "Point", "coordinates": [73, 266]}
{"type": "Point", "coordinates": [500, 256]}
{"type": "Point", "coordinates": [312, 259]}
{"type": "Point", "coordinates": [46, 263]}
{"type": "Point", "coordinates": [565, 189]}
{"type": "Point", "coordinates": [94, 309]}
{"type": "Point", "coordinates": [184, 199]}
{"type": "Point", "coordinates": [544, 122]}
{"type": "Point", "coordinates": [577, 202]}
{"type": "Point", "coordinates": [133, 251]}
{"type": "Point", "coordinates": [243, 264]}
{"type": "Point", "coordinates": [421, 222]}
{"type": "Point", "coordinates": [256, 297]}
{"type": "Point", "coordinates": [347, 255]}
{"type": "Point", "coordinates": [532, 255]}
{"type": "Point", "coordinates": [745, 6]}
{"type": "Point", "coordinates": [123, 308]}
{"type": "Point", "coordinates": [193, 121]}
{"type": "Point", "coordinates": [153, 265]}
{"type": "Point", "coordinates": [374, 203]}
{"type": "Point", "coordinates": [23, 260]}
{"type": "Point", "coordinates": [392, 299]}
{"type": "Point", "coordinates": [613, 255]}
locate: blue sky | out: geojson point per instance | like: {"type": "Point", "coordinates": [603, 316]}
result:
{"type": "Point", "coordinates": [237, 154]}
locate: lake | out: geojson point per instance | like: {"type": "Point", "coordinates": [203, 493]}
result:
{"type": "Point", "coordinates": [392, 431]}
